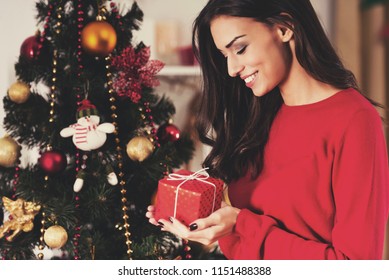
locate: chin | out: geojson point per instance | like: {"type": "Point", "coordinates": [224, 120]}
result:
{"type": "Point", "coordinates": [260, 90]}
{"type": "Point", "coordinates": [259, 93]}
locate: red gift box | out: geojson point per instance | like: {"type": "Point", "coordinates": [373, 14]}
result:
{"type": "Point", "coordinates": [188, 196]}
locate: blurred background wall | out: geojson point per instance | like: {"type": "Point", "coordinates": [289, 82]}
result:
{"type": "Point", "coordinates": [360, 32]}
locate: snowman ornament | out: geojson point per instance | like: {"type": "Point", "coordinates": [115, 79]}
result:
{"type": "Point", "coordinates": [88, 134]}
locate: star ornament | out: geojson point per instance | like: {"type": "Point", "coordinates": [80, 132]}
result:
{"type": "Point", "coordinates": [134, 71]}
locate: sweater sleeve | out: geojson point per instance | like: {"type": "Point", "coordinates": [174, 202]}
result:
{"type": "Point", "coordinates": [360, 189]}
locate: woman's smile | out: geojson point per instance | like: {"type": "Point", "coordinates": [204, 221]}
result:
{"type": "Point", "coordinates": [249, 80]}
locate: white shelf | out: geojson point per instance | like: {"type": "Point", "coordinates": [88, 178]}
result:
{"type": "Point", "coordinates": [179, 70]}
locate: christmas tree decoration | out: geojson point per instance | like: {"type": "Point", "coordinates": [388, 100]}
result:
{"type": "Point", "coordinates": [31, 47]}
{"type": "Point", "coordinates": [41, 245]}
{"type": "Point", "coordinates": [187, 249]}
{"type": "Point", "coordinates": [22, 215]}
{"type": "Point", "coordinates": [15, 180]}
{"type": "Point", "coordinates": [9, 151]}
{"type": "Point", "coordinates": [55, 237]}
{"type": "Point", "coordinates": [119, 156]}
{"type": "Point", "coordinates": [148, 123]}
{"type": "Point", "coordinates": [135, 71]}
{"type": "Point", "coordinates": [80, 26]}
{"type": "Point", "coordinates": [80, 11]}
{"type": "Point", "coordinates": [98, 38]}
{"type": "Point", "coordinates": [139, 148]}
{"type": "Point", "coordinates": [53, 86]}
{"type": "Point", "coordinates": [52, 161]}
{"type": "Point", "coordinates": [100, 93]}
{"type": "Point", "coordinates": [19, 92]}
{"type": "Point", "coordinates": [88, 134]}
{"type": "Point", "coordinates": [168, 133]}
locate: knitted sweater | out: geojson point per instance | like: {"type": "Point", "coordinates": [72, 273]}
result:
{"type": "Point", "coordinates": [324, 189]}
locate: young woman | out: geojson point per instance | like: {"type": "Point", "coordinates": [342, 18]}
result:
{"type": "Point", "coordinates": [301, 149]}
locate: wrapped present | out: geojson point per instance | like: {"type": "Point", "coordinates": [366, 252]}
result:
{"type": "Point", "coordinates": [188, 196]}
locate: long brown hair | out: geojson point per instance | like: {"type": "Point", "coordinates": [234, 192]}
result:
{"type": "Point", "coordinates": [233, 121]}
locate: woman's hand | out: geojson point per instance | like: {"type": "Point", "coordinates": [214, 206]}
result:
{"type": "Point", "coordinates": [150, 214]}
{"type": "Point", "coordinates": [206, 230]}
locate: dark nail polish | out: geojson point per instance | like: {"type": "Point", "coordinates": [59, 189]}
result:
{"type": "Point", "coordinates": [193, 227]}
{"type": "Point", "coordinates": [171, 219]}
{"type": "Point", "coordinates": [161, 224]}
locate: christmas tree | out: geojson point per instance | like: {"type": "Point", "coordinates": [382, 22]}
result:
{"type": "Point", "coordinates": [85, 99]}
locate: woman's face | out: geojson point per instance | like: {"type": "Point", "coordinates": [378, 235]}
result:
{"type": "Point", "coordinates": [255, 52]}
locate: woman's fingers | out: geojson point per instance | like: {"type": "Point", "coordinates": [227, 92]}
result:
{"type": "Point", "coordinates": [200, 224]}
{"type": "Point", "coordinates": [206, 230]}
{"type": "Point", "coordinates": [206, 236]}
{"type": "Point", "coordinates": [154, 222]}
{"type": "Point", "coordinates": [175, 227]}
{"type": "Point", "coordinates": [150, 215]}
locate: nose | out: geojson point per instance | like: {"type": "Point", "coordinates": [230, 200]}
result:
{"type": "Point", "coordinates": [234, 66]}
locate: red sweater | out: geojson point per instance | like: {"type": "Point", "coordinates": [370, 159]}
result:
{"type": "Point", "coordinates": [324, 190]}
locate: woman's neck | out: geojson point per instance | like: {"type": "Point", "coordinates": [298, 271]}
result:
{"type": "Point", "coordinates": [300, 88]}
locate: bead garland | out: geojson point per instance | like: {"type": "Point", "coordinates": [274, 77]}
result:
{"type": "Point", "coordinates": [78, 90]}
{"type": "Point", "coordinates": [122, 182]}
{"type": "Point", "coordinates": [53, 87]}
{"type": "Point", "coordinates": [16, 179]}
{"type": "Point", "coordinates": [187, 249]}
{"type": "Point", "coordinates": [115, 12]}
{"type": "Point", "coordinates": [148, 123]}
{"type": "Point", "coordinates": [53, 92]}
{"type": "Point", "coordinates": [46, 27]}
{"type": "Point", "coordinates": [41, 240]}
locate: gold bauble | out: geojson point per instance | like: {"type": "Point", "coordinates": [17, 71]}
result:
{"type": "Point", "coordinates": [19, 92]}
{"type": "Point", "coordinates": [55, 237]}
{"type": "Point", "coordinates": [98, 38]}
{"type": "Point", "coordinates": [139, 148]}
{"type": "Point", "coordinates": [9, 151]}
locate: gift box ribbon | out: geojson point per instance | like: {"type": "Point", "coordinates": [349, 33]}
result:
{"type": "Point", "coordinates": [199, 176]}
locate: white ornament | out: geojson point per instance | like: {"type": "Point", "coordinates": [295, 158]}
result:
{"type": "Point", "coordinates": [87, 135]}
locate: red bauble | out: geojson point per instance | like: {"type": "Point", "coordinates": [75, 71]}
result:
{"type": "Point", "coordinates": [168, 133]}
{"type": "Point", "coordinates": [31, 47]}
{"type": "Point", "coordinates": [53, 161]}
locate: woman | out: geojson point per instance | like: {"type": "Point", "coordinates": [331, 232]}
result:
{"type": "Point", "coordinates": [302, 151]}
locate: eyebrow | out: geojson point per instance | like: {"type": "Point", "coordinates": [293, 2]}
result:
{"type": "Point", "coordinates": [233, 40]}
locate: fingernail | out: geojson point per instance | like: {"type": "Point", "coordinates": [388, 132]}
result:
{"type": "Point", "coordinates": [161, 224]}
{"type": "Point", "coordinates": [193, 227]}
{"type": "Point", "coordinates": [171, 219]}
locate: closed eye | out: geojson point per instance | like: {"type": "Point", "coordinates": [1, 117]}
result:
{"type": "Point", "coordinates": [242, 50]}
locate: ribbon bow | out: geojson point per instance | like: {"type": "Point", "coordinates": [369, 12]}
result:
{"type": "Point", "coordinates": [195, 176]}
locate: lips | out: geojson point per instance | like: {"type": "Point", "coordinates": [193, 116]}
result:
{"type": "Point", "coordinates": [249, 80]}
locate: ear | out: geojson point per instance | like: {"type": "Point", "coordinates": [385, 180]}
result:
{"type": "Point", "coordinates": [284, 33]}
